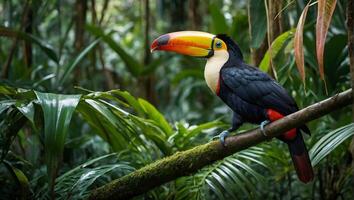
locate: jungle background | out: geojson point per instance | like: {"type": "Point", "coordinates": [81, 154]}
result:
{"type": "Point", "coordinates": [83, 101]}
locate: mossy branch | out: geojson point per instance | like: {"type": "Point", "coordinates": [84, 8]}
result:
{"type": "Point", "coordinates": [190, 161]}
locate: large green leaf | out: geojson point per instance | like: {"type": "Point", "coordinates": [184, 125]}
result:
{"type": "Point", "coordinates": [131, 101]}
{"type": "Point", "coordinates": [111, 123]}
{"type": "Point", "coordinates": [257, 22]}
{"type": "Point", "coordinates": [153, 132]}
{"type": "Point", "coordinates": [57, 113]}
{"type": "Point", "coordinates": [155, 115]}
{"type": "Point", "coordinates": [219, 24]}
{"type": "Point", "coordinates": [121, 129]}
{"type": "Point", "coordinates": [120, 126]}
{"type": "Point", "coordinates": [329, 142]}
{"type": "Point", "coordinates": [132, 64]}
{"type": "Point", "coordinates": [153, 128]}
{"type": "Point", "coordinates": [275, 48]}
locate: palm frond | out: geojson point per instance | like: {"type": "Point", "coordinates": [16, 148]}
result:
{"type": "Point", "coordinates": [76, 183]}
{"type": "Point", "coordinates": [329, 142]}
{"type": "Point", "coordinates": [120, 128]}
{"type": "Point", "coordinates": [232, 178]}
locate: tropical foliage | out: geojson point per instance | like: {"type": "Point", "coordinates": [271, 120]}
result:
{"type": "Point", "coordinates": [83, 102]}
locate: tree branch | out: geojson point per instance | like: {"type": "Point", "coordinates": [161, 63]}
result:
{"type": "Point", "coordinates": [190, 161]}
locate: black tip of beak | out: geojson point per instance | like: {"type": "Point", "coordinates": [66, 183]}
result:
{"type": "Point", "coordinates": [163, 40]}
{"type": "Point", "coordinates": [160, 41]}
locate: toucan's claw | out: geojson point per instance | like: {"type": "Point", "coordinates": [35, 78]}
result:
{"type": "Point", "coordinates": [265, 122]}
{"type": "Point", "coordinates": [222, 136]}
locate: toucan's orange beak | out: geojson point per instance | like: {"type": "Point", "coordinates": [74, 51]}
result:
{"type": "Point", "coordinates": [192, 43]}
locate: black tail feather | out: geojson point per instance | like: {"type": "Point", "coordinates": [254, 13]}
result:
{"type": "Point", "coordinates": [300, 158]}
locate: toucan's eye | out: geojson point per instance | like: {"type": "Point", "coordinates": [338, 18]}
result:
{"type": "Point", "coordinates": [218, 44]}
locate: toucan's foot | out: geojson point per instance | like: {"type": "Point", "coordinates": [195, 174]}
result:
{"type": "Point", "coordinates": [265, 122]}
{"type": "Point", "coordinates": [222, 136]}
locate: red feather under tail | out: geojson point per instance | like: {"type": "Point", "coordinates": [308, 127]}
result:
{"type": "Point", "coordinates": [297, 148]}
{"type": "Point", "coordinates": [301, 158]}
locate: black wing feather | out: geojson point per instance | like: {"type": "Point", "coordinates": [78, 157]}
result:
{"type": "Point", "coordinates": [258, 88]}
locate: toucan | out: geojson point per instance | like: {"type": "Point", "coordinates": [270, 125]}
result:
{"type": "Point", "coordinates": [254, 96]}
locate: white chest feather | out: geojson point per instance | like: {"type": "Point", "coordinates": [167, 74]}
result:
{"type": "Point", "coordinates": [213, 67]}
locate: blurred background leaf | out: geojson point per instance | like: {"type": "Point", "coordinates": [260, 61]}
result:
{"type": "Point", "coordinates": [45, 47]}
{"type": "Point", "coordinates": [70, 67]}
{"type": "Point", "coordinates": [133, 65]}
{"type": "Point", "coordinates": [257, 22]}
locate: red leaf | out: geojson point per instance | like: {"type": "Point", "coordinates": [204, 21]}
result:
{"type": "Point", "coordinates": [298, 44]}
{"type": "Point", "coordinates": [324, 16]}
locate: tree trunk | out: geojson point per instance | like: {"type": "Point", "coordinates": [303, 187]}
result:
{"type": "Point", "coordinates": [6, 67]}
{"type": "Point", "coordinates": [190, 161]}
{"type": "Point", "coordinates": [150, 93]}
{"type": "Point", "coordinates": [275, 19]}
{"type": "Point", "coordinates": [178, 15]}
{"type": "Point", "coordinates": [109, 83]}
{"type": "Point", "coordinates": [274, 26]}
{"type": "Point", "coordinates": [80, 20]}
{"type": "Point", "coordinates": [194, 15]}
{"type": "Point", "coordinates": [28, 29]}
{"type": "Point", "coordinates": [258, 54]}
